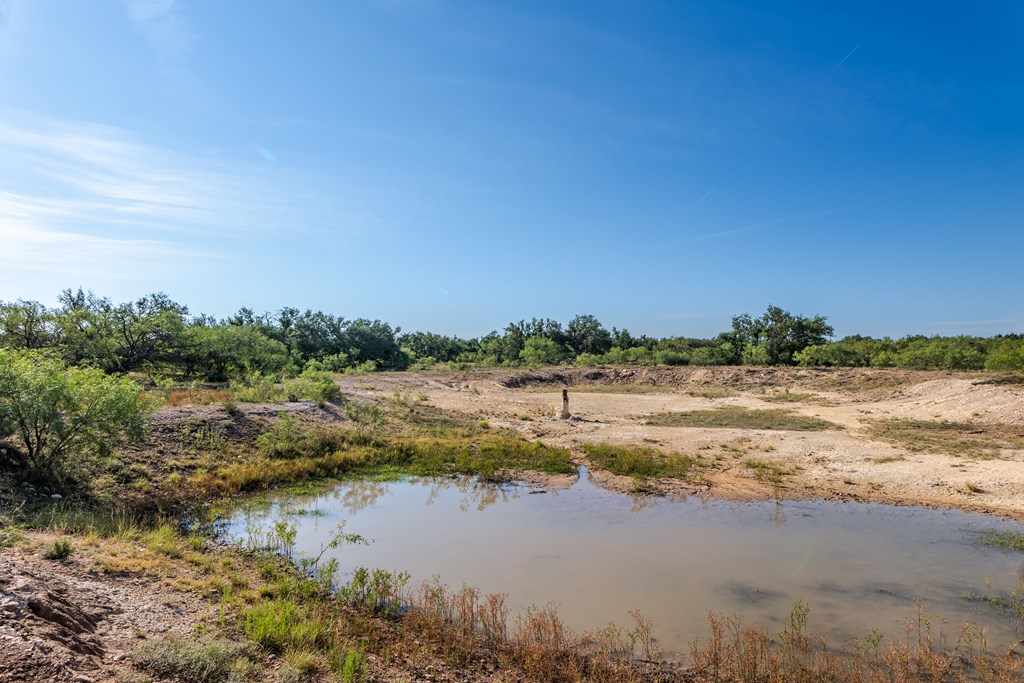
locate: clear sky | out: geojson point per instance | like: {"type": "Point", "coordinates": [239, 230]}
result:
{"type": "Point", "coordinates": [455, 165]}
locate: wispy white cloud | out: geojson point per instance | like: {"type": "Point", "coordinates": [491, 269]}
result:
{"type": "Point", "coordinates": [74, 194]}
{"type": "Point", "coordinates": [78, 256]}
{"type": "Point", "coordinates": [56, 171]}
{"type": "Point", "coordinates": [81, 197]}
{"type": "Point", "coordinates": [165, 26]}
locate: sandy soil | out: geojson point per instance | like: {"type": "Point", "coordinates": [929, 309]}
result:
{"type": "Point", "coordinates": [612, 406]}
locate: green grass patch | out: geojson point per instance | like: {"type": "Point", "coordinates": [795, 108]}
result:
{"type": "Point", "coordinates": [710, 392]}
{"type": "Point", "coordinates": [642, 462]}
{"type": "Point", "coordinates": [610, 389]}
{"type": "Point", "coordinates": [970, 439]}
{"type": "Point", "coordinates": [742, 418]}
{"type": "Point", "coordinates": [283, 625]}
{"type": "Point", "coordinates": [788, 396]}
{"type": "Point", "coordinates": [1011, 540]}
{"type": "Point", "coordinates": [492, 455]}
{"type": "Point", "coordinates": [1012, 604]}
{"type": "Point", "coordinates": [768, 471]}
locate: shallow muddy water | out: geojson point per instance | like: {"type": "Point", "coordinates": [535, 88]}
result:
{"type": "Point", "coordinates": [598, 554]}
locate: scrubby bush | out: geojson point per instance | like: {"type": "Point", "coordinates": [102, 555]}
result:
{"type": "Point", "coordinates": [314, 385]}
{"type": "Point", "coordinates": [1007, 354]}
{"type": "Point", "coordinates": [256, 388]}
{"type": "Point", "coordinates": [54, 413]}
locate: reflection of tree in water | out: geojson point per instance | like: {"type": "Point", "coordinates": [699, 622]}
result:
{"type": "Point", "coordinates": [643, 501]}
{"type": "Point", "coordinates": [475, 493]}
{"type": "Point", "coordinates": [779, 515]}
{"type": "Point", "coordinates": [363, 493]}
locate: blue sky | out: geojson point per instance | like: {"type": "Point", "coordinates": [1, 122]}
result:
{"type": "Point", "coordinates": [453, 166]}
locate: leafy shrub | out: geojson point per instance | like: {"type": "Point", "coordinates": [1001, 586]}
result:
{"type": "Point", "coordinates": [365, 367]}
{"type": "Point", "coordinates": [288, 438]}
{"type": "Point", "coordinates": [315, 385]}
{"type": "Point", "coordinates": [55, 412]}
{"type": "Point", "coordinates": [256, 388]}
{"type": "Point", "coordinates": [543, 351]}
{"type": "Point", "coordinates": [338, 362]}
{"type": "Point", "coordinates": [1008, 354]}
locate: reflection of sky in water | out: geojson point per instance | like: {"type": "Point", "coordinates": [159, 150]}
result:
{"type": "Point", "coordinates": [598, 554]}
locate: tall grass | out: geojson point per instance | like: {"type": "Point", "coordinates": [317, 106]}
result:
{"type": "Point", "coordinates": [736, 652]}
{"type": "Point", "coordinates": [293, 453]}
{"type": "Point", "coordinates": [640, 461]}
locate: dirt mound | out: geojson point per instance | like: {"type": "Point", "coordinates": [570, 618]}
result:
{"type": "Point", "coordinates": [964, 400]}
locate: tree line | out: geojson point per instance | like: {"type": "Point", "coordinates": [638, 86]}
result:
{"type": "Point", "coordinates": [156, 335]}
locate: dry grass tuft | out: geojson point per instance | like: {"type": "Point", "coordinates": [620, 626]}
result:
{"type": "Point", "coordinates": [734, 417]}
{"type": "Point", "coordinates": [968, 439]}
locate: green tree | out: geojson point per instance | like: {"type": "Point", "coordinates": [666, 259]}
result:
{"type": "Point", "coordinates": [1006, 354]}
{"type": "Point", "coordinates": [146, 332]}
{"type": "Point", "coordinates": [224, 351]}
{"type": "Point", "coordinates": [55, 414]}
{"type": "Point", "coordinates": [780, 333]}
{"type": "Point", "coordinates": [26, 325]}
{"type": "Point", "coordinates": [543, 351]}
{"type": "Point", "coordinates": [85, 329]}
{"type": "Point", "coordinates": [585, 334]}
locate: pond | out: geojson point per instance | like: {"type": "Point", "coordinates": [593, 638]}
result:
{"type": "Point", "coordinates": [598, 554]}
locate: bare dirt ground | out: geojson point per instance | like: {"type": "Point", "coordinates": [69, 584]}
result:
{"type": "Point", "coordinates": [68, 620]}
{"type": "Point", "coordinates": [613, 406]}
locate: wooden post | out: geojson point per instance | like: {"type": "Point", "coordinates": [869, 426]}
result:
{"type": "Point", "coordinates": [565, 405]}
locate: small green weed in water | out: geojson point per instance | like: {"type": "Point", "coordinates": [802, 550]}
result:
{"type": "Point", "coordinates": [1011, 540]}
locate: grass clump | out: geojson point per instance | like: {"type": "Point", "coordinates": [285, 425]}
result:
{"type": "Point", "coordinates": [288, 438]}
{"type": "Point", "coordinates": [193, 662]}
{"type": "Point", "coordinates": [970, 439]}
{"type": "Point", "coordinates": [710, 392]}
{"type": "Point", "coordinates": [788, 396]}
{"type": "Point", "coordinates": [61, 549]}
{"type": "Point", "coordinates": [642, 462]}
{"type": "Point", "coordinates": [1010, 540]}
{"type": "Point", "coordinates": [768, 471]}
{"type": "Point", "coordinates": [618, 389]}
{"type": "Point", "coordinates": [735, 417]}
{"type": "Point", "coordinates": [284, 625]}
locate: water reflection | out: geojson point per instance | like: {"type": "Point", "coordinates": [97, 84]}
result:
{"type": "Point", "coordinates": [599, 554]}
{"type": "Point", "coordinates": [779, 514]}
{"type": "Point", "coordinates": [361, 494]}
